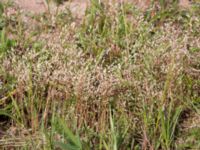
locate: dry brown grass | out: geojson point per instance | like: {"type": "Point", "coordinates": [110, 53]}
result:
{"type": "Point", "coordinates": [80, 71]}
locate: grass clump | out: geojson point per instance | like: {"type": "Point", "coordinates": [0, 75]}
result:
{"type": "Point", "coordinates": [118, 78]}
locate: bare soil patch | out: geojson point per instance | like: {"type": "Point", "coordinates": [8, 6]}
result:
{"type": "Point", "coordinates": [78, 7]}
{"type": "Point", "coordinates": [36, 6]}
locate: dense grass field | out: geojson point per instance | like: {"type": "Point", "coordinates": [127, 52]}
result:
{"type": "Point", "coordinates": [118, 78]}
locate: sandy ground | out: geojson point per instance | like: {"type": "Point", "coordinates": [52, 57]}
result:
{"type": "Point", "coordinates": [78, 7]}
{"type": "Point", "coordinates": [36, 6]}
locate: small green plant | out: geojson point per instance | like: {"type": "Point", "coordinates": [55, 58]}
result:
{"type": "Point", "coordinates": [169, 121]}
{"type": "Point", "coordinates": [1, 16]}
{"type": "Point", "coordinates": [113, 145]}
{"type": "Point", "coordinates": [5, 43]}
{"type": "Point", "coordinates": [71, 141]}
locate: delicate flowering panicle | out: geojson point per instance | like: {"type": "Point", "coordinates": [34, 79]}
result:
{"type": "Point", "coordinates": [119, 76]}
